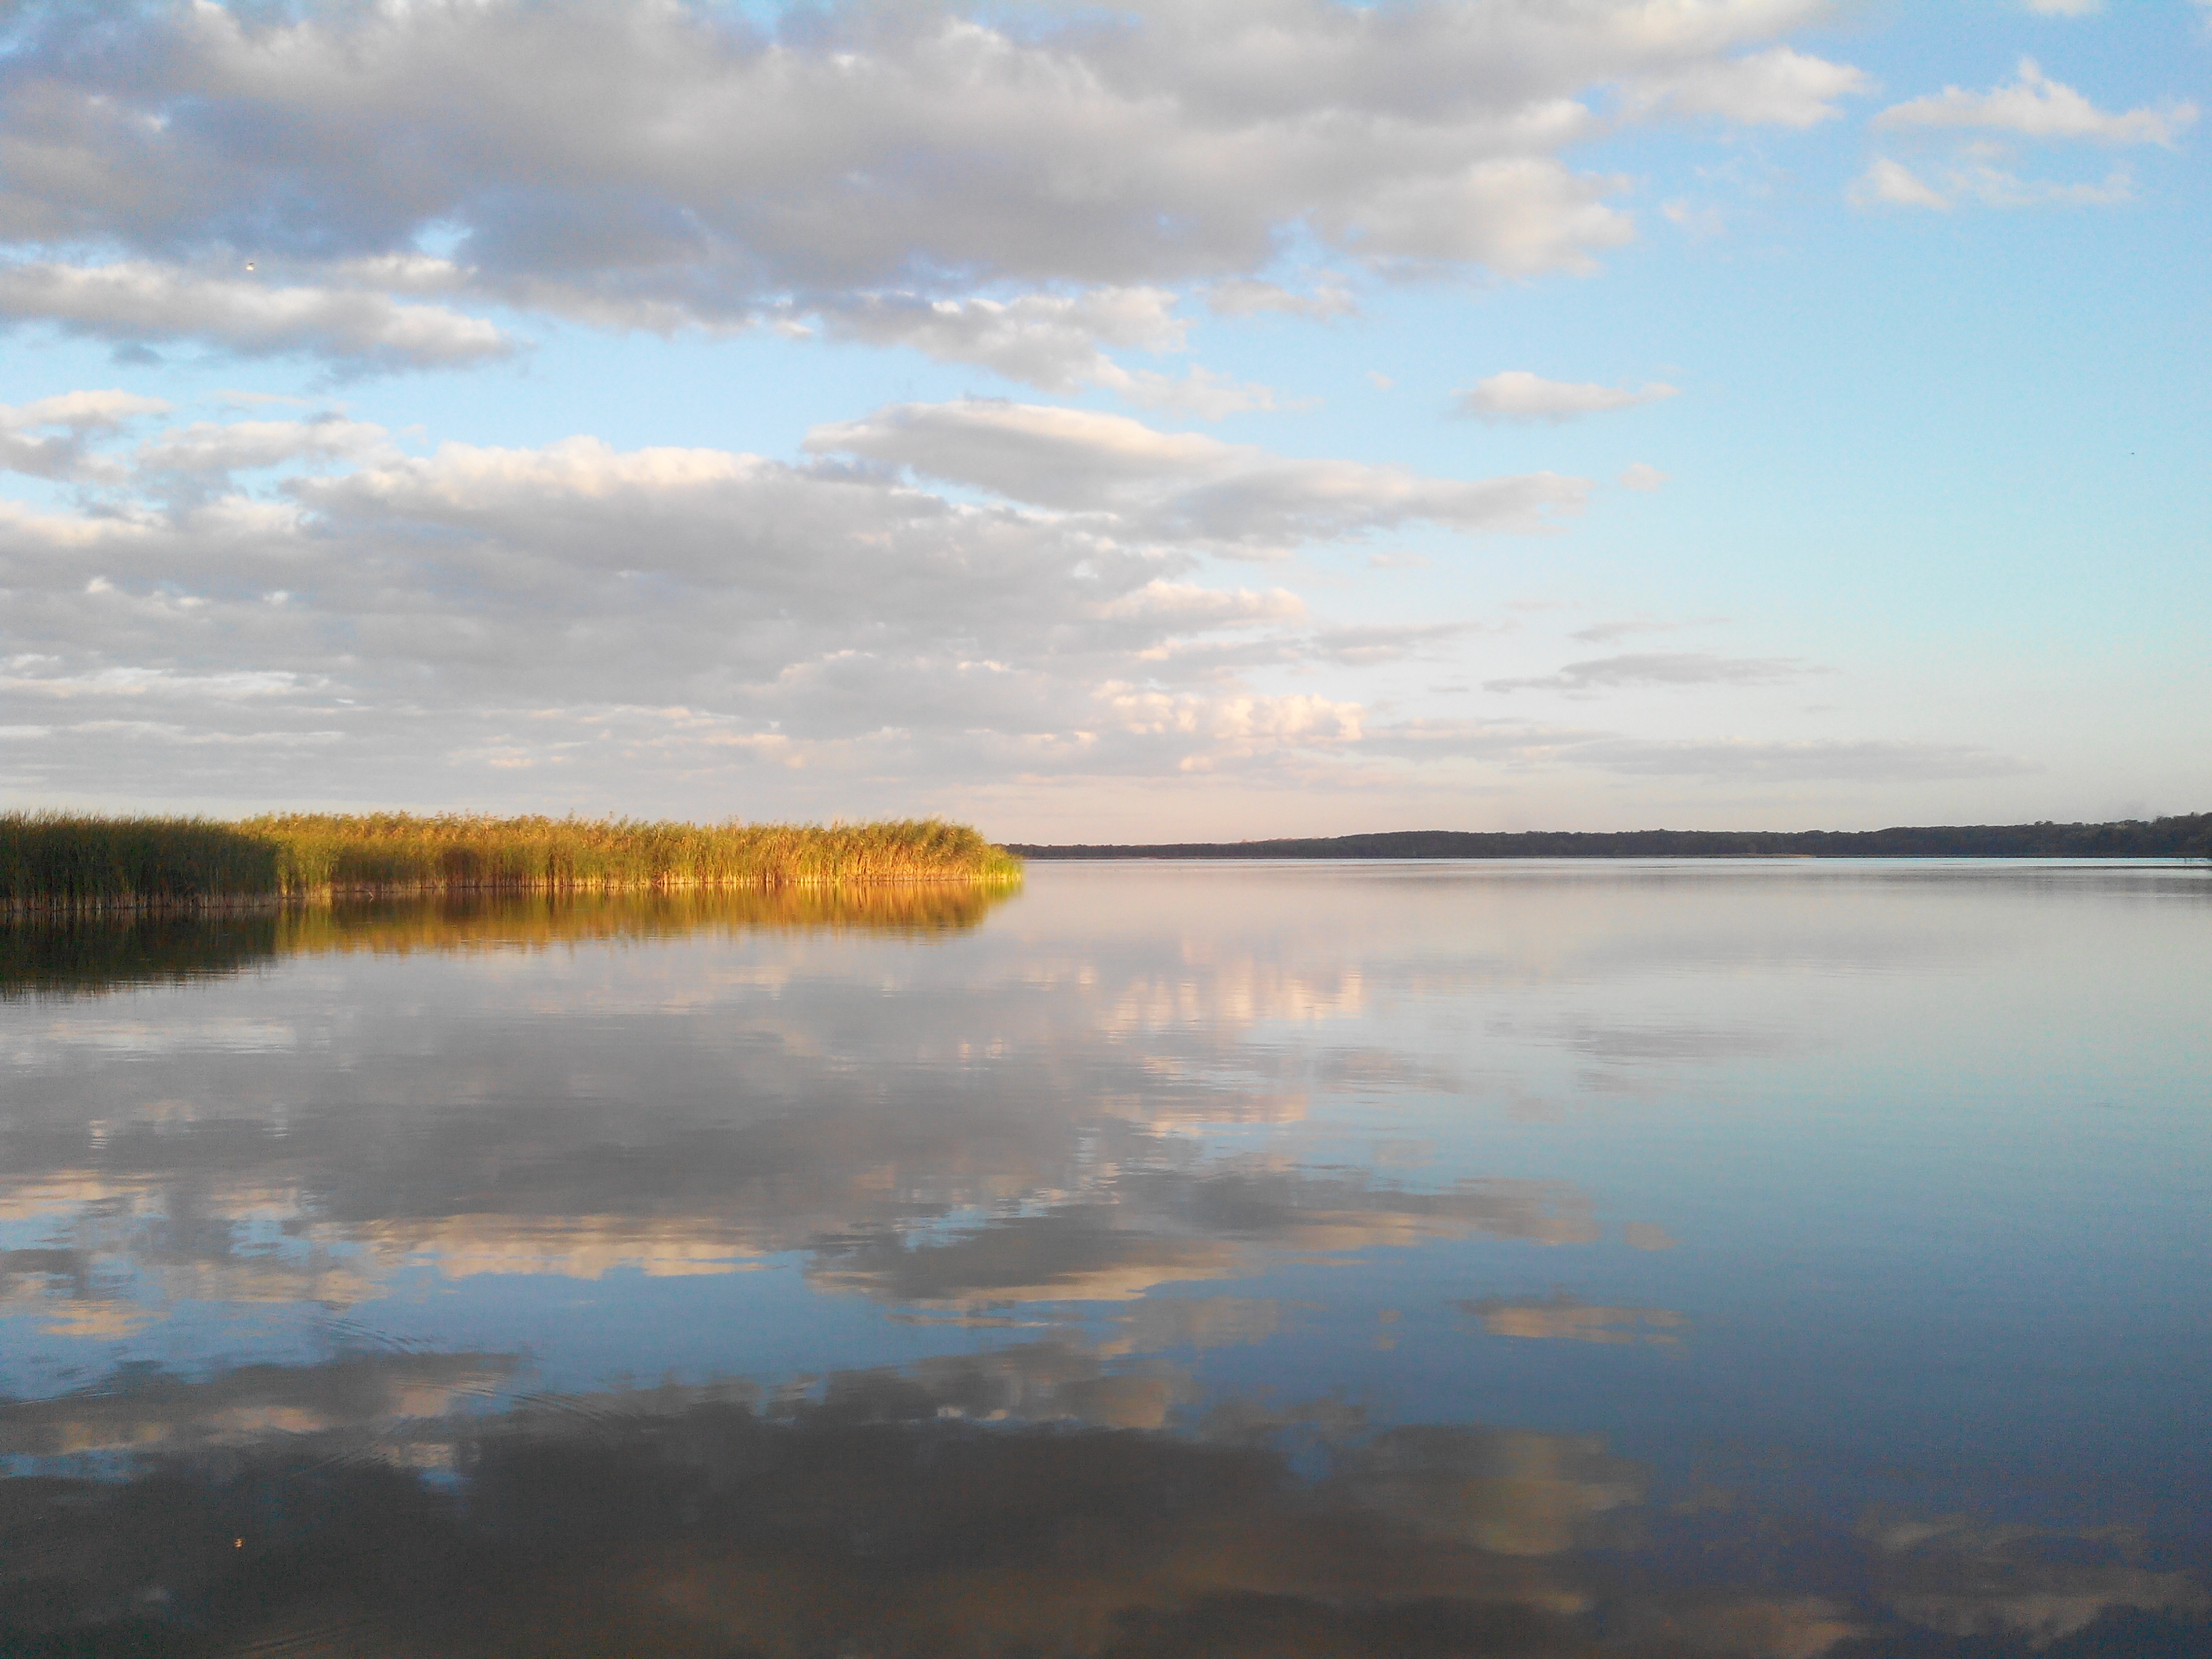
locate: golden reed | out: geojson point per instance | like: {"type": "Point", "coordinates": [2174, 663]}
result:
{"type": "Point", "coordinates": [57, 861]}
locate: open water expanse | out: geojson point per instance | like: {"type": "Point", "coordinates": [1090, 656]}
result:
{"type": "Point", "coordinates": [1782, 1259]}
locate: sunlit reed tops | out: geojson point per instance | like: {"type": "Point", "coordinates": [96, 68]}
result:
{"type": "Point", "coordinates": [54, 860]}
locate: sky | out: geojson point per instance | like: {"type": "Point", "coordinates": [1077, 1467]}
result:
{"type": "Point", "coordinates": [1186, 419]}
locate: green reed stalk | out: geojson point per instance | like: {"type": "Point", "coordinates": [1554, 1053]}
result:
{"type": "Point", "coordinates": [74, 861]}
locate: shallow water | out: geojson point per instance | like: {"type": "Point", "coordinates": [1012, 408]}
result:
{"type": "Point", "coordinates": [1778, 1258]}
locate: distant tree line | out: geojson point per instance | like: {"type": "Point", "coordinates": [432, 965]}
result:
{"type": "Point", "coordinates": [2186, 836]}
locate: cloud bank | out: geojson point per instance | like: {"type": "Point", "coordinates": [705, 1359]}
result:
{"type": "Point", "coordinates": [677, 165]}
{"type": "Point", "coordinates": [943, 596]}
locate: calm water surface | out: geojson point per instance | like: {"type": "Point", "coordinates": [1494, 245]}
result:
{"type": "Point", "coordinates": [1776, 1259]}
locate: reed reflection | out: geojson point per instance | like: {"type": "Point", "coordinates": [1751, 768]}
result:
{"type": "Point", "coordinates": [99, 951]}
{"type": "Point", "coordinates": [86, 954]}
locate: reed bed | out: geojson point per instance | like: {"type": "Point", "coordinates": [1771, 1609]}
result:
{"type": "Point", "coordinates": [67, 862]}
{"type": "Point", "coordinates": [54, 861]}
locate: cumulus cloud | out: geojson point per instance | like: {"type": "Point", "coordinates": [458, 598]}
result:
{"type": "Point", "coordinates": [1051, 341]}
{"type": "Point", "coordinates": [1657, 668]}
{"type": "Point", "coordinates": [1641, 475]}
{"type": "Point", "coordinates": [1518, 395]}
{"type": "Point", "coordinates": [1775, 87]}
{"type": "Point", "coordinates": [1203, 392]}
{"type": "Point", "coordinates": [671, 608]}
{"type": "Point", "coordinates": [47, 439]}
{"type": "Point", "coordinates": [1983, 129]}
{"type": "Point", "coordinates": [1246, 296]}
{"type": "Point", "coordinates": [139, 301]}
{"type": "Point", "coordinates": [1896, 185]}
{"type": "Point", "coordinates": [219, 448]}
{"type": "Point", "coordinates": [677, 165]}
{"type": "Point", "coordinates": [1184, 486]}
{"type": "Point", "coordinates": [1888, 183]}
{"type": "Point", "coordinates": [941, 596]}
{"type": "Point", "coordinates": [2036, 107]}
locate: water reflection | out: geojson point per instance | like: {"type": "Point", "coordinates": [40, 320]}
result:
{"type": "Point", "coordinates": [116, 950]}
{"type": "Point", "coordinates": [1649, 1261]}
{"type": "Point", "coordinates": [1563, 1317]}
{"type": "Point", "coordinates": [65, 956]}
{"type": "Point", "coordinates": [933, 1510]}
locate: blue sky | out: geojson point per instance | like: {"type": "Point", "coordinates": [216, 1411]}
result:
{"type": "Point", "coordinates": [1194, 420]}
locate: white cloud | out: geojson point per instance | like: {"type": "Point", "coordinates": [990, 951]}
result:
{"type": "Point", "coordinates": [1605, 633]}
{"type": "Point", "coordinates": [671, 613]}
{"type": "Point", "coordinates": [1889, 182]}
{"type": "Point", "coordinates": [218, 448]}
{"type": "Point", "coordinates": [2065, 8]}
{"type": "Point", "coordinates": [1518, 395]}
{"type": "Point", "coordinates": [1740, 761]}
{"type": "Point", "coordinates": [673, 164]}
{"type": "Point", "coordinates": [1658, 668]}
{"type": "Point", "coordinates": [1993, 186]}
{"type": "Point", "coordinates": [1246, 296]}
{"type": "Point", "coordinates": [1775, 87]}
{"type": "Point", "coordinates": [1700, 220]}
{"type": "Point", "coordinates": [138, 300]}
{"type": "Point", "coordinates": [161, 682]}
{"type": "Point", "coordinates": [1641, 475]}
{"type": "Point", "coordinates": [1054, 342]}
{"type": "Point", "coordinates": [69, 421]}
{"type": "Point", "coordinates": [81, 411]}
{"type": "Point", "coordinates": [2036, 107]}
{"type": "Point", "coordinates": [1519, 216]}
{"type": "Point", "coordinates": [1184, 486]}
{"type": "Point", "coordinates": [1201, 391]}
{"type": "Point", "coordinates": [1868, 761]}
{"type": "Point", "coordinates": [706, 630]}
{"type": "Point", "coordinates": [1893, 183]}
{"type": "Point", "coordinates": [1051, 341]}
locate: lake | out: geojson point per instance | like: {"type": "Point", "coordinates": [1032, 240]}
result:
{"type": "Point", "coordinates": [1785, 1258]}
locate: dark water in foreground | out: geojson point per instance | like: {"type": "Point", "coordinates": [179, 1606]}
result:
{"type": "Point", "coordinates": [1775, 1259]}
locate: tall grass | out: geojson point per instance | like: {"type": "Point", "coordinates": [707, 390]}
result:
{"type": "Point", "coordinates": [57, 861]}
{"type": "Point", "coordinates": [65, 862]}
{"type": "Point", "coordinates": [389, 852]}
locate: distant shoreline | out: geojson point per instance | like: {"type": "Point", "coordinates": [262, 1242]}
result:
{"type": "Point", "coordinates": [2185, 836]}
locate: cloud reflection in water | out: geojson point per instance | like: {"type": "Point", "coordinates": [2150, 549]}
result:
{"type": "Point", "coordinates": [1150, 1201]}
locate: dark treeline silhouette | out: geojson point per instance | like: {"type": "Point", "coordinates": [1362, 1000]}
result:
{"type": "Point", "coordinates": [2188, 836]}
